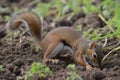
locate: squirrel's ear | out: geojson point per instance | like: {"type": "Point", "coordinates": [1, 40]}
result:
{"type": "Point", "coordinates": [91, 45]}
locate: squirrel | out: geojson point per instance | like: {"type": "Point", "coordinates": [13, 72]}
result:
{"type": "Point", "coordinates": [85, 53]}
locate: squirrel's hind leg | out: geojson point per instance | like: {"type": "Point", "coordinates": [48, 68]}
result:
{"type": "Point", "coordinates": [67, 48]}
{"type": "Point", "coordinates": [51, 49]}
{"type": "Point", "coordinates": [61, 47]}
{"type": "Point", "coordinates": [56, 51]}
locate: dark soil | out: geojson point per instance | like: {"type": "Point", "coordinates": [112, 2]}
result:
{"type": "Point", "coordinates": [17, 58]}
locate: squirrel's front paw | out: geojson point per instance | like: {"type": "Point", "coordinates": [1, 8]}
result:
{"type": "Point", "coordinates": [54, 61]}
{"type": "Point", "coordinates": [88, 67]}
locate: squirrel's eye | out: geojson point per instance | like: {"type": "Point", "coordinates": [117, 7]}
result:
{"type": "Point", "coordinates": [95, 55]}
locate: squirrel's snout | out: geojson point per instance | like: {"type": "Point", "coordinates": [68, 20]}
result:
{"type": "Point", "coordinates": [98, 66]}
{"type": "Point", "coordinates": [93, 64]}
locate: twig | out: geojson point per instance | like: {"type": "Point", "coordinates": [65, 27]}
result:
{"type": "Point", "coordinates": [110, 53]}
{"type": "Point", "coordinates": [105, 42]}
{"type": "Point", "coordinates": [106, 22]}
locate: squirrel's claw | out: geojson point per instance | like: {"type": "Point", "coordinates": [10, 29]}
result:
{"type": "Point", "coordinates": [54, 61]}
{"type": "Point", "coordinates": [88, 67]}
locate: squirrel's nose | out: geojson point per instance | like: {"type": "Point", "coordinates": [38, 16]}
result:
{"type": "Point", "coordinates": [98, 66]}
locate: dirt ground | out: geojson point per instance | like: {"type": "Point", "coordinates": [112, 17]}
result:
{"type": "Point", "coordinates": [17, 59]}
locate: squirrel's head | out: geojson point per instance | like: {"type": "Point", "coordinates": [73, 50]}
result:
{"type": "Point", "coordinates": [94, 54]}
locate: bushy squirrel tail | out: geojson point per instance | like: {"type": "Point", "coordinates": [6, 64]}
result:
{"type": "Point", "coordinates": [29, 20]}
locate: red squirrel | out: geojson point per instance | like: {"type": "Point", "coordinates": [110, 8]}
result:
{"type": "Point", "coordinates": [85, 53]}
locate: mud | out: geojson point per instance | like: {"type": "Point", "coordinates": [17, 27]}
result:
{"type": "Point", "coordinates": [17, 58]}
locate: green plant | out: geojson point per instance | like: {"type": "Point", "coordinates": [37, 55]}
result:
{"type": "Point", "coordinates": [73, 6]}
{"type": "Point", "coordinates": [62, 7]}
{"type": "Point", "coordinates": [113, 24]}
{"type": "Point", "coordinates": [37, 47]}
{"type": "Point", "coordinates": [89, 7]}
{"type": "Point", "coordinates": [0, 18]}
{"type": "Point", "coordinates": [79, 28]}
{"type": "Point", "coordinates": [6, 9]}
{"type": "Point", "coordinates": [1, 68]}
{"type": "Point", "coordinates": [58, 6]}
{"type": "Point", "coordinates": [16, 9]}
{"type": "Point", "coordinates": [73, 75]}
{"type": "Point", "coordinates": [38, 68]}
{"type": "Point", "coordinates": [7, 18]}
{"type": "Point", "coordinates": [107, 8]}
{"type": "Point", "coordinates": [42, 8]}
{"type": "Point", "coordinates": [12, 35]}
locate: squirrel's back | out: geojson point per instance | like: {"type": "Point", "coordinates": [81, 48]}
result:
{"type": "Point", "coordinates": [29, 19]}
{"type": "Point", "coordinates": [67, 34]}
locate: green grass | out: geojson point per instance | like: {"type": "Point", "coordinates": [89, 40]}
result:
{"type": "Point", "coordinates": [111, 18]}
{"type": "Point", "coordinates": [61, 8]}
{"type": "Point", "coordinates": [42, 8]}
{"type": "Point", "coordinates": [108, 12]}
{"type": "Point", "coordinates": [107, 7]}
{"type": "Point", "coordinates": [89, 7]}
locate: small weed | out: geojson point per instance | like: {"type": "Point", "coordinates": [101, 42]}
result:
{"type": "Point", "coordinates": [37, 47]}
{"type": "Point", "coordinates": [16, 33]}
{"type": "Point", "coordinates": [73, 75]}
{"type": "Point", "coordinates": [79, 28]}
{"type": "Point", "coordinates": [0, 17]}
{"type": "Point", "coordinates": [12, 35]}
{"type": "Point", "coordinates": [6, 9]}
{"type": "Point", "coordinates": [9, 39]}
{"type": "Point", "coordinates": [38, 68]}
{"type": "Point", "coordinates": [7, 18]}
{"type": "Point", "coordinates": [1, 68]}
{"type": "Point", "coordinates": [16, 9]}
